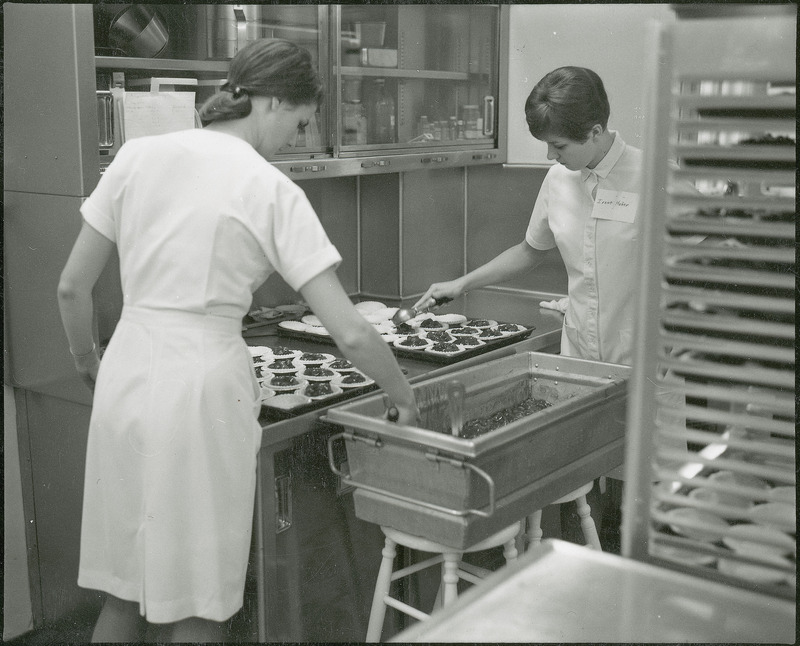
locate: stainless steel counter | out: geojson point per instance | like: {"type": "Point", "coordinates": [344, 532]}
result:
{"type": "Point", "coordinates": [562, 592]}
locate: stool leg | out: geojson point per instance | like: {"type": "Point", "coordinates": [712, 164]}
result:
{"type": "Point", "coordinates": [510, 551]}
{"type": "Point", "coordinates": [534, 528]}
{"type": "Point", "coordinates": [450, 577]}
{"type": "Point", "coordinates": [384, 581]}
{"type": "Point", "coordinates": [587, 524]}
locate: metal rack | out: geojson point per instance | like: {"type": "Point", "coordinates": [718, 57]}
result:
{"type": "Point", "coordinates": [717, 322]}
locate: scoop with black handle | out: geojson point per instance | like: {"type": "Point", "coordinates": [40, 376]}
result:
{"type": "Point", "coordinates": [407, 313]}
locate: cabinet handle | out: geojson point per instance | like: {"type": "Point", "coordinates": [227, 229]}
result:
{"type": "Point", "coordinates": [283, 503]}
{"type": "Point", "coordinates": [488, 116]}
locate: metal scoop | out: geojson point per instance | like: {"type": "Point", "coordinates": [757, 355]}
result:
{"type": "Point", "coordinates": [407, 313]}
{"type": "Point", "coordinates": [455, 403]}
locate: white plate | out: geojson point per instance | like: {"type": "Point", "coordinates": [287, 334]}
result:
{"type": "Point", "coordinates": [384, 314]}
{"type": "Point", "coordinates": [783, 494]}
{"type": "Point", "coordinates": [367, 307]}
{"type": "Point", "coordinates": [266, 393]}
{"type": "Point", "coordinates": [451, 319]}
{"type": "Point", "coordinates": [458, 350]}
{"type": "Point", "coordinates": [287, 402]}
{"type": "Point", "coordinates": [712, 533]}
{"type": "Point", "coordinates": [340, 365]}
{"type": "Point", "coordinates": [738, 479]}
{"type": "Point", "coordinates": [780, 515]}
{"type": "Point", "coordinates": [514, 328]}
{"type": "Point", "coordinates": [318, 330]}
{"type": "Point", "coordinates": [294, 326]}
{"type": "Point", "coordinates": [310, 319]}
{"type": "Point", "coordinates": [720, 498]}
{"type": "Point", "coordinates": [755, 573]}
{"type": "Point", "coordinates": [759, 539]}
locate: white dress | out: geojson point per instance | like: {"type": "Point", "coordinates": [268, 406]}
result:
{"type": "Point", "coordinates": [200, 220]}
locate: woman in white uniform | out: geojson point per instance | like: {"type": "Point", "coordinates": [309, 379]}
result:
{"type": "Point", "coordinates": [587, 207]}
{"type": "Point", "coordinates": [200, 219]}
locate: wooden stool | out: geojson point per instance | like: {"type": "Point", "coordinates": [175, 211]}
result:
{"type": "Point", "coordinates": [534, 532]}
{"type": "Point", "coordinates": [452, 570]}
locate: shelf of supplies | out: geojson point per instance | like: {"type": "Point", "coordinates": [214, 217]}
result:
{"type": "Point", "coordinates": [393, 72]}
{"type": "Point", "coordinates": [160, 64]}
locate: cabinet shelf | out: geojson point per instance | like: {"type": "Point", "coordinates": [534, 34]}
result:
{"type": "Point", "coordinates": [394, 72]}
{"type": "Point", "coordinates": [161, 64]}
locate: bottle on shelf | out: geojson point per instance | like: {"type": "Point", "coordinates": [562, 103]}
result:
{"type": "Point", "coordinates": [354, 124]}
{"type": "Point", "coordinates": [381, 121]}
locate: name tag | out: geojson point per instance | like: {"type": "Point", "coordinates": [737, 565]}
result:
{"type": "Point", "coordinates": [615, 205]}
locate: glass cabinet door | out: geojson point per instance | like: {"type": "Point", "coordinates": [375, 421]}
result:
{"type": "Point", "coordinates": [196, 42]}
{"type": "Point", "coordinates": [416, 76]}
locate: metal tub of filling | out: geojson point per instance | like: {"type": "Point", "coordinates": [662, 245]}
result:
{"type": "Point", "coordinates": [535, 427]}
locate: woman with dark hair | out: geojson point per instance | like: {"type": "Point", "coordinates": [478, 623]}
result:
{"type": "Point", "coordinates": [587, 207]}
{"type": "Point", "coordinates": [200, 219]}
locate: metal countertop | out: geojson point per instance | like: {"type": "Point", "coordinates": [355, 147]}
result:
{"type": "Point", "coordinates": [562, 592]}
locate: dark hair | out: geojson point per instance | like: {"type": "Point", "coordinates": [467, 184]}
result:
{"type": "Point", "coordinates": [567, 102]}
{"type": "Point", "coordinates": [276, 68]}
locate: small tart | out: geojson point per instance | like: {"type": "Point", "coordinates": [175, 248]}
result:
{"type": "Point", "coordinates": [464, 331]}
{"type": "Point", "coordinates": [283, 366]}
{"type": "Point", "coordinates": [285, 382]}
{"type": "Point", "coordinates": [314, 358]}
{"type": "Point", "coordinates": [341, 365]}
{"type": "Point", "coordinates": [262, 372]}
{"type": "Point", "coordinates": [490, 333]}
{"type": "Point", "coordinates": [310, 319]}
{"type": "Point", "coordinates": [481, 324]}
{"type": "Point", "coordinates": [405, 328]}
{"type": "Point", "coordinates": [469, 341]}
{"type": "Point", "coordinates": [430, 323]}
{"type": "Point", "coordinates": [320, 389]}
{"type": "Point", "coordinates": [294, 326]}
{"type": "Point", "coordinates": [318, 373]}
{"type": "Point", "coordinates": [281, 352]}
{"type": "Point", "coordinates": [413, 342]}
{"type": "Point", "coordinates": [444, 348]}
{"type": "Point", "coordinates": [439, 336]}
{"type": "Point", "coordinates": [354, 379]}
{"type": "Point", "coordinates": [509, 328]}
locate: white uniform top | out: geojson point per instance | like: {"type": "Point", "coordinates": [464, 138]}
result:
{"type": "Point", "coordinates": [591, 216]}
{"type": "Point", "coordinates": [200, 220]}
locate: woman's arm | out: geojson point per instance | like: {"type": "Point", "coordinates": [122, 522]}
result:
{"type": "Point", "coordinates": [516, 261]}
{"type": "Point", "coordinates": [86, 261]}
{"type": "Point", "coordinates": [359, 341]}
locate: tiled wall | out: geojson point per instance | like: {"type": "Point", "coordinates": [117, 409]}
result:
{"type": "Point", "coordinates": [423, 226]}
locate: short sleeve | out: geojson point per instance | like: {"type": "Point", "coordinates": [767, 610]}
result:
{"type": "Point", "coordinates": [100, 207]}
{"type": "Point", "coordinates": [295, 241]}
{"type": "Point", "coordinates": [539, 235]}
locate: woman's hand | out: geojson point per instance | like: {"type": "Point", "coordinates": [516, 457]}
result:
{"type": "Point", "coordinates": [407, 415]}
{"type": "Point", "coordinates": [87, 367]}
{"type": "Point", "coordinates": [450, 290]}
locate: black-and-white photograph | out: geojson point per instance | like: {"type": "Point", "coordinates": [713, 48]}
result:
{"type": "Point", "coordinates": [422, 322]}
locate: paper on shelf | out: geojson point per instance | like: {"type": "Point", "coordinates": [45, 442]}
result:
{"type": "Point", "coordinates": [155, 113]}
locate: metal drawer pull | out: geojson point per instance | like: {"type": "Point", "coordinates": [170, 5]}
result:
{"type": "Point", "coordinates": [283, 503]}
{"type": "Point", "coordinates": [419, 503]}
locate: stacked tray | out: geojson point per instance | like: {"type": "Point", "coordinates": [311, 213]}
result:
{"type": "Point", "coordinates": [294, 382]}
{"type": "Point", "coordinates": [438, 338]}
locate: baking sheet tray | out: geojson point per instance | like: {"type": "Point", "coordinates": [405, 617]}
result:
{"type": "Point", "coordinates": [421, 355]}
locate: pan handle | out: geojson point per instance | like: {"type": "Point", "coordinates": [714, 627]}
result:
{"type": "Point", "coordinates": [484, 513]}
